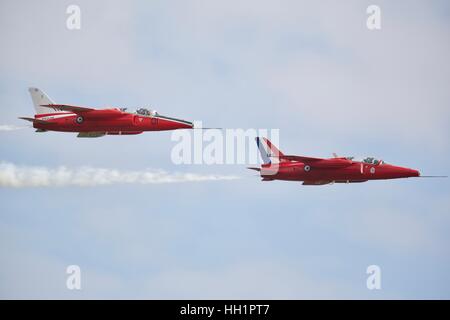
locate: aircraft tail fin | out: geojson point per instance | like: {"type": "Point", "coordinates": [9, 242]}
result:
{"type": "Point", "coordinates": [40, 98]}
{"type": "Point", "coordinates": [268, 150]}
{"type": "Point", "coordinates": [263, 150]}
{"type": "Point", "coordinates": [273, 149]}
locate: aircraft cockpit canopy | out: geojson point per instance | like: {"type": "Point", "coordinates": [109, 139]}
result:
{"type": "Point", "coordinates": [371, 160]}
{"type": "Point", "coordinates": [146, 112]}
{"type": "Point", "coordinates": [368, 160]}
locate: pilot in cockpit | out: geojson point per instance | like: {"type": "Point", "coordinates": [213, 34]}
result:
{"type": "Point", "coordinates": [372, 160]}
{"type": "Point", "coordinates": [146, 112]}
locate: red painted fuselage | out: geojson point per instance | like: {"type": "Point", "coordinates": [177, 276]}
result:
{"type": "Point", "coordinates": [110, 121]}
{"type": "Point", "coordinates": [352, 172]}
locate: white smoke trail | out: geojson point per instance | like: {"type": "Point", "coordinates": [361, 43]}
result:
{"type": "Point", "coordinates": [14, 176]}
{"type": "Point", "coordinates": [9, 127]}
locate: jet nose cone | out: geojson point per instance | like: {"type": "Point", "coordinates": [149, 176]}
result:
{"type": "Point", "coordinates": [412, 173]}
{"type": "Point", "coordinates": [185, 125]}
{"type": "Point", "coordinates": [174, 123]}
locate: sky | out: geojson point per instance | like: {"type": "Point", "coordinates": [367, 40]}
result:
{"type": "Point", "coordinates": [311, 69]}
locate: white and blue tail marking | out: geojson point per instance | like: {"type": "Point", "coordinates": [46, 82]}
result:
{"type": "Point", "coordinates": [262, 146]}
{"type": "Point", "coordinates": [269, 153]}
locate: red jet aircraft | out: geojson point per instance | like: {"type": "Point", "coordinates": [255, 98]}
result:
{"type": "Point", "coordinates": [92, 123]}
{"type": "Point", "coordinates": [317, 171]}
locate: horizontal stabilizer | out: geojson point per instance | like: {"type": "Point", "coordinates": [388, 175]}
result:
{"type": "Point", "coordinates": [33, 120]}
{"type": "Point", "coordinates": [65, 107]}
{"type": "Point", "coordinates": [299, 158]}
{"type": "Point", "coordinates": [252, 168]}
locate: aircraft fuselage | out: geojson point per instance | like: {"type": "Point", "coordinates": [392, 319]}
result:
{"type": "Point", "coordinates": [108, 120]}
{"type": "Point", "coordinates": [353, 172]}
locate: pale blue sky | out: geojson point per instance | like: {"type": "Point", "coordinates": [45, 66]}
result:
{"type": "Point", "coordinates": [311, 69]}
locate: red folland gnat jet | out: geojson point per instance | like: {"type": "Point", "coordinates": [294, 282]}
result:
{"type": "Point", "coordinates": [92, 123]}
{"type": "Point", "coordinates": [318, 171]}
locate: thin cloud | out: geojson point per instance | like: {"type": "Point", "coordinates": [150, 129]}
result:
{"type": "Point", "coordinates": [14, 176]}
{"type": "Point", "coordinates": [8, 127]}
